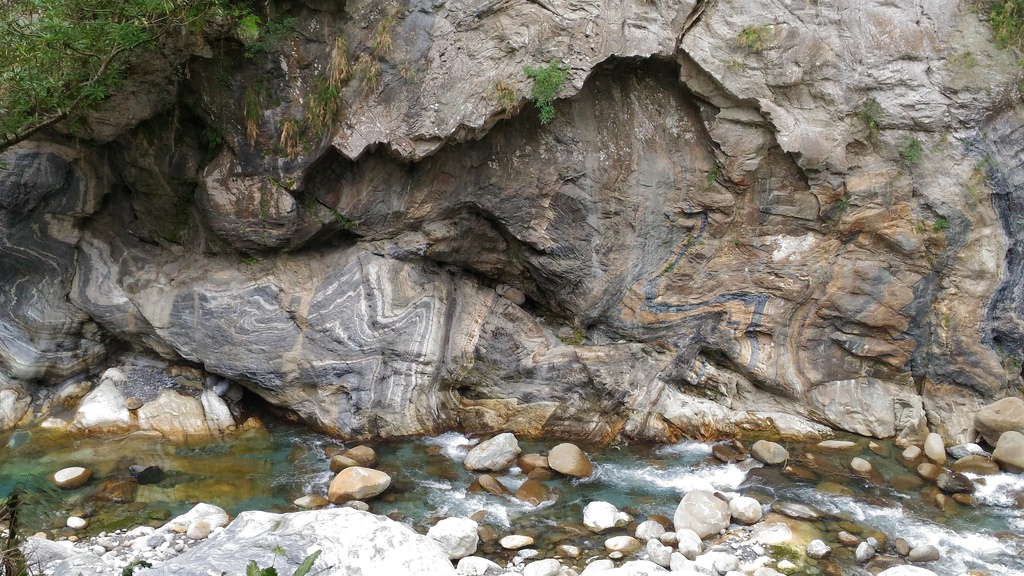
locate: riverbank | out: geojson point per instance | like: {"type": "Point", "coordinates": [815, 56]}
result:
{"type": "Point", "coordinates": [813, 494]}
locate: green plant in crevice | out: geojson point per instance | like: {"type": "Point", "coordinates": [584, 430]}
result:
{"type": "Point", "coordinates": [712, 176]}
{"type": "Point", "coordinates": [548, 81]}
{"type": "Point", "coordinates": [381, 39]}
{"type": "Point", "coordinates": [756, 38]}
{"type": "Point", "coordinates": [260, 37]}
{"type": "Point", "coordinates": [910, 151]}
{"type": "Point", "coordinates": [940, 224]}
{"type": "Point", "coordinates": [871, 113]}
{"type": "Point", "coordinates": [964, 60]}
{"type": "Point", "coordinates": [506, 95]}
{"type": "Point", "coordinates": [1007, 20]}
{"type": "Point", "coordinates": [252, 111]}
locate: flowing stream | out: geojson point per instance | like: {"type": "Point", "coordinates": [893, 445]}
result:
{"type": "Point", "coordinates": [267, 470]}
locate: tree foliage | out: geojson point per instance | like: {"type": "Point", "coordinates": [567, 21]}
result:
{"type": "Point", "coordinates": [60, 57]}
{"type": "Point", "coordinates": [548, 81]}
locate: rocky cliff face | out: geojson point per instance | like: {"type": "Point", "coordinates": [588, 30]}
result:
{"type": "Point", "coordinates": [745, 215]}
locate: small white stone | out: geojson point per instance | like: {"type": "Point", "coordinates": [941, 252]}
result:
{"type": "Point", "coordinates": [515, 542]}
{"type": "Point", "coordinates": [817, 549]}
{"type": "Point", "coordinates": [76, 523]}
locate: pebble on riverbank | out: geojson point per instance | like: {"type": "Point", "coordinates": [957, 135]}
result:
{"type": "Point", "coordinates": [71, 478]}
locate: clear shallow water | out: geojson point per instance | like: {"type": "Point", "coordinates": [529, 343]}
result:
{"type": "Point", "coordinates": [268, 470]}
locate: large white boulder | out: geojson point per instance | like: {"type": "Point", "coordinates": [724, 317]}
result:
{"type": "Point", "coordinates": [600, 516]}
{"type": "Point", "coordinates": [103, 409]}
{"type": "Point", "coordinates": [456, 536]}
{"type": "Point", "coordinates": [350, 541]}
{"type": "Point", "coordinates": [702, 512]}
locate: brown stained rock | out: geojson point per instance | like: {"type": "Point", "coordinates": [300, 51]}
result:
{"type": "Point", "coordinates": [528, 462]}
{"type": "Point", "coordinates": [570, 460]}
{"type": "Point", "coordinates": [728, 453]}
{"type": "Point", "coordinates": [492, 485]}
{"type": "Point", "coordinates": [357, 483]}
{"type": "Point", "coordinates": [928, 471]}
{"type": "Point", "coordinates": [532, 492]}
{"type": "Point", "coordinates": [976, 464]}
{"type": "Point", "coordinates": [339, 462]}
{"type": "Point", "coordinates": [540, 474]}
{"type": "Point", "coordinates": [1000, 416]}
{"type": "Point", "coordinates": [363, 455]}
{"type": "Point", "coordinates": [769, 452]}
{"type": "Point", "coordinates": [117, 490]}
{"type": "Point", "coordinates": [1009, 452]}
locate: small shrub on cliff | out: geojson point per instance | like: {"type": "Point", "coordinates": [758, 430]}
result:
{"type": "Point", "coordinates": [910, 151]}
{"type": "Point", "coordinates": [940, 225]}
{"type": "Point", "coordinates": [548, 81]}
{"type": "Point", "coordinates": [871, 113]}
{"type": "Point", "coordinates": [755, 38]}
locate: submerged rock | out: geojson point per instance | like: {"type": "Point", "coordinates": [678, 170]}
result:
{"type": "Point", "coordinates": [146, 474]}
{"type": "Point", "coordinates": [311, 502]}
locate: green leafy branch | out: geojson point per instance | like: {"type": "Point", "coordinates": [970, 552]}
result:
{"type": "Point", "coordinates": [61, 57]}
{"type": "Point", "coordinates": [548, 81]}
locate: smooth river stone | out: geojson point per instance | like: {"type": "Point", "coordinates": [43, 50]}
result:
{"type": "Point", "coordinates": [70, 478]}
{"type": "Point", "coordinates": [728, 453]}
{"type": "Point", "coordinates": [533, 492]}
{"type": "Point", "coordinates": [492, 485]}
{"type": "Point", "coordinates": [860, 466]}
{"type": "Point", "coordinates": [1009, 452]}
{"type": "Point", "coordinates": [568, 459]}
{"type": "Point", "coordinates": [954, 483]}
{"type": "Point", "coordinates": [769, 452]}
{"type": "Point", "coordinates": [976, 464]}
{"type": "Point", "coordinates": [529, 462]}
{"type": "Point", "coordinates": [624, 544]}
{"type": "Point", "coordinates": [837, 446]}
{"type": "Point", "coordinates": [796, 510]}
{"type": "Point", "coordinates": [935, 448]}
{"type": "Point", "coordinates": [1000, 416]}
{"type": "Point", "coordinates": [745, 510]}
{"type": "Point", "coordinates": [363, 455]}
{"type": "Point", "coordinates": [311, 502]}
{"type": "Point", "coordinates": [357, 483]}
{"type": "Point", "coordinates": [515, 542]}
{"type": "Point", "coordinates": [928, 471]}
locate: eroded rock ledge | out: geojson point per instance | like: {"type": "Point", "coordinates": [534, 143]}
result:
{"type": "Point", "coordinates": [708, 238]}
